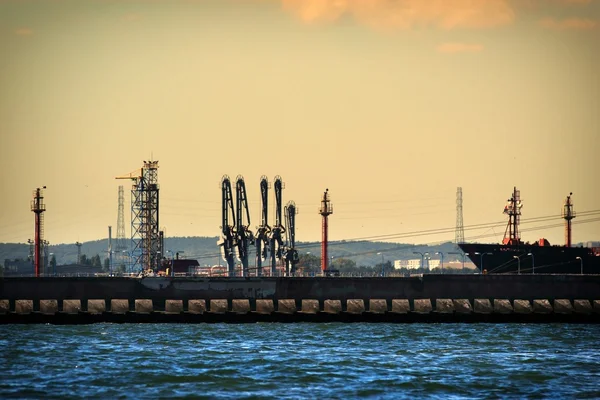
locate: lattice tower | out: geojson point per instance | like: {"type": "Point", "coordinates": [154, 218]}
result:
{"type": "Point", "coordinates": [145, 242]}
{"type": "Point", "coordinates": [459, 235]}
{"type": "Point", "coordinates": [121, 244]}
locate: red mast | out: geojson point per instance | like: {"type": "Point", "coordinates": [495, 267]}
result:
{"type": "Point", "coordinates": [38, 207]}
{"type": "Point", "coordinates": [325, 210]}
{"type": "Point", "coordinates": [568, 214]}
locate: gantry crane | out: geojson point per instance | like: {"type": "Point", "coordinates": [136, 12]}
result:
{"type": "Point", "coordinates": [278, 230]}
{"type": "Point", "coordinates": [291, 254]}
{"type": "Point", "coordinates": [228, 234]}
{"type": "Point", "coordinates": [263, 231]}
{"type": "Point", "coordinates": [244, 236]}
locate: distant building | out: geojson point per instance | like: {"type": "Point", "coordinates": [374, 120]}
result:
{"type": "Point", "coordinates": [408, 264]}
{"type": "Point", "coordinates": [180, 267]}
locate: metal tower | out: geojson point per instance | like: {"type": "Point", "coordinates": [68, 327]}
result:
{"type": "Point", "coordinates": [120, 244]}
{"type": "Point", "coordinates": [38, 207]}
{"type": "Point", "coordinates": [459, 235]}
{"type": "Point", "coordinates": [78, 252]}
{"type": "Point", "coordinates": [568, 214]}
{"type": "Point", "coordinates": [145, 243]}
{"type": "Point", "coordinates": [513, 209]}
{"type": "Point", "coordinates": [326, 210]}
{"type": "Point", "coordinates": [110, 251]}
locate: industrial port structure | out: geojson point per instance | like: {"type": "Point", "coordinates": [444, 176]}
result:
{"type": "Point", "coordinates": [236, 236]}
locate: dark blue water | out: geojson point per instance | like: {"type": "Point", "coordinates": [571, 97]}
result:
{"type": "Point", "coordinates": [300, 361]}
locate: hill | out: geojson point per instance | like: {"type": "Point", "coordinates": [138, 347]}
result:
{"type": "Point", "coordinates": [206, 251]}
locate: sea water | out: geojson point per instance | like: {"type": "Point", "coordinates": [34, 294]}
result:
{"type": "Point", "coordinates": [302, 360]}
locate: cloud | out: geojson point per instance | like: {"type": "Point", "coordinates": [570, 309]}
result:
{"type": "Point", "coordinates": [583, 24]}
{"type": "Point", "coordinates": [407, 14]}
{"type": "Point", "coordinates": [23, 32]}
{"type": "Point", "coordinates": [451, 48]}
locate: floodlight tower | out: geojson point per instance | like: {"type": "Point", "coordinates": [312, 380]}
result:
{"type": "Point", "coordinates": [38, 207]}
{"type": "Point", "coordinates": [326, 210]}
{"type": "Point", "coordinates": [568, 214]}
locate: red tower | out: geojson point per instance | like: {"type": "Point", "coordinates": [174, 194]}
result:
{"type": "Point", "coordinates": [568, 214]}
{"type": "Point", "coordinates": [38, 207]}
{"type": "Point", "coordinates": [325, 210]}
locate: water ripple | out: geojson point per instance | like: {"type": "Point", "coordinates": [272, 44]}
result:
{"type": "Point", "coordinates": [334, 361]}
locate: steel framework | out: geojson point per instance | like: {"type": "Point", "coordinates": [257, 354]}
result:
{"type": "Point", "coordinates": [278, 229]}
{"type": "Point", "coordinates": [459, 235]}
{"type": "Point", "coordinates": [264, 230]}
{"type": "Point", "coordinates": [291, 254]}
{"type": "Point", "coordinates": [145, 242]}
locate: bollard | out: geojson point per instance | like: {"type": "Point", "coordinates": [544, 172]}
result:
{"type": "Point", "coordinates": [563, 306]}
{"type": "Point", "coordinates": [240, 306]}
{"type": "Point", "coordinates": [462, 306]}
{"type": "Point", "coordinates": [48, 306]}
{"type": "Point", "coordinates": [218, 306]}
{"type": "Point", "coordinates": [582, 306]}
{"type": "Point", "coordinates": [174, 306]}
{"type": "Point", "coordinates": [355, 306]}
{"type": "Point", "coordinates": [310, 306]}
{"type": "Point", "coordinates": [522, 307]}
{"type": "Point", "coordinates": [197, 306]}
{"type": "Point", "coordinates": [482, 306]}
{"type": "Point", "coordinates": [444, 306]}
{"type": "Point", "coordinates": [400, 306]}
{"type": "Point", "coordinates": [502, 306]}
{"type": "Point", "coordinates": [96, 306]}
{"type": "Point", "coordinates": [286, 306]}
{"type": "Point", "coordinates": [265, 306]}
{"type": "Point", "coordinates": [71, 306]}
{"type": "Point", "coordinates": [119, 306]}
{"type": "Point", "coordinates": [422, 306]}
{"type": "Point", "coordinates": [542, 306]}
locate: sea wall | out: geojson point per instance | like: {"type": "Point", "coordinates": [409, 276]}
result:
{"type": "Point", "coordinates": [425, 298]}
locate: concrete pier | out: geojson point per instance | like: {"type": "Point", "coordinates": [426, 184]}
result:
{"type": "Point", "coordinates": [189, 300]}
{"type": "Point", "coordinates": [352, 310]}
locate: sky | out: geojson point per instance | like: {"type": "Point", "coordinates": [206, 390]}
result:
{"type": "Point", "coordinates": [389, 104]}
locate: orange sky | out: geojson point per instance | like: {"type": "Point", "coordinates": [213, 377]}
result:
{"type": "Point", "coordinates": [391, 104]}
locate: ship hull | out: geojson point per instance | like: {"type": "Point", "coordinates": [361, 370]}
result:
{"type": "Point", "coordinates": [500, 259]}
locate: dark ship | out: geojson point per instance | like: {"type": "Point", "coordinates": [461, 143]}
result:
{"type": "Point", "coordinates": [515, 256]}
